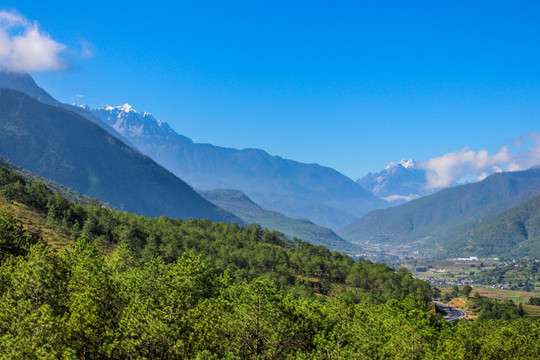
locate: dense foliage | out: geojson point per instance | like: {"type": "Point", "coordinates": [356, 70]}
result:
{"type": "Point", "coordinates": [490, 309]}
{"type": "Point", "coordinates": [13, 239]}
{"type": "Point", "coordinates": [534, 301]}
{"type": "Point", "coordinates": [82, 304]}
{"type": "Point", "coordinates": [246, 252]}
{"type": "Point", "coordinates": [174, 289]}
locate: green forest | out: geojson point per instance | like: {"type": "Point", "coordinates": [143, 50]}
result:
{"type": "Point", "coordinates": [132, 287]}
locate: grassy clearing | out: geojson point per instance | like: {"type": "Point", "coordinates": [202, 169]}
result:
{"type": "Point", "coordinates": [499, 294]}
{"type": "Point", "coordinates": [36, 223]}
{"type": "Point", "coordinates": [505, 295]}
{"type": "Point", "coordinates": [502, 295]}
{"type": "Point", "coordinates": [532, 310]}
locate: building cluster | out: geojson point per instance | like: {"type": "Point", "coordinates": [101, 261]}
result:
{"type": "Point", "coordinates": [438, 281]}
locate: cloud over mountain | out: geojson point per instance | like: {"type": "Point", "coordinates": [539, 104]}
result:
{"type": "Point", "coordinates": [443, 170]}
{"type": "Point", "coordinates": [24, 47]}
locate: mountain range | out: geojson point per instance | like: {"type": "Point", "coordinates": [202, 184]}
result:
{"type": "Point", "coordinates": [433, 223]}
{"type": "Point", "coordinates": [138, 203]}
{"type": "Point", "coordinates": [298, 190]}
{"type": "Point", "coordinates": [65, 147]}
{"type": "Point", "coordinates": [113, 153]}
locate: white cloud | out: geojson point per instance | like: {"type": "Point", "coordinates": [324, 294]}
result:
{"type": "Point", "coordinates": [392, 198]}
{"type": "Point", "coordinates": [530, 153]}
{"type": "Point", "coordinates": [12, 19]}
{"type": "Point", "coordinates": [444, 170]}
{"type": "Point", "coordinates": [23, 47]}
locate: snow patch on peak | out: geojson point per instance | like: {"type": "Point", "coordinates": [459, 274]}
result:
{"type": "Point", "coordinates": [126, 108]}
{"type": "Point", "coordinates": [407, 163]}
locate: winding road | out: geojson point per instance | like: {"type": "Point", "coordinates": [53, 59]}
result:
{"type": "Point", "coordinates": [452, 314]}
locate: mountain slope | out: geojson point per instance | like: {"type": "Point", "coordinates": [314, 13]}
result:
{"type": "Point", "coordinates": [430, 220]}
{"type": "Point", "coordinates": [299, 190]}
{"type": "Point", "coordinates": [511, 233]}
{"type": "Point", "coordinates": [242, 206]}
{"type": "Point", "coordinates": [24, 83]}
{"type": "Point", "coordinates": [69, 149]}
{"type": "Point", "coordinates": [66, 192]}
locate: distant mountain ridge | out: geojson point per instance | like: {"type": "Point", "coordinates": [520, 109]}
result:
{"type": "Point", "coordinates": [432, 222]}
{"type": "Point", "coordinates": [65, 147]}
{"type": "Point", "coordinates": [297, 190]}
{"type": "Point", "coordinates": [24, 83]}
{"type": "Point", "coordinates": [125, 120]}
{"type": "Point", "coordinates": [398, 182]}
{"type": "Point", "coordinates": [242, 206]}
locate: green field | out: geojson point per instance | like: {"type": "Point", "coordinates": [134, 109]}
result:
{"type": "Point", "coordinates": [532, 310]}
{"type": "Point", "coordinates": [505, 295]}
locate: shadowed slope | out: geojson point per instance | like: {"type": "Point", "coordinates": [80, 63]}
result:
{"type": "Point", "coordinates": [67, 148]}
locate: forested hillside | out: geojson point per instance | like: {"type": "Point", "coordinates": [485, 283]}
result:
{"type": "Point", "coordinates": [514, 232]}
{"type": "Point", "coordinates": [68, 193]}
{"type": "Point", "coordinates": [246, 252]}
{"type": "Point", "coordinates": [430, 223]}
{"type": "Point", "coordinates": [242, 206]}
{"type": "Point", "coordinates": [195, 289]}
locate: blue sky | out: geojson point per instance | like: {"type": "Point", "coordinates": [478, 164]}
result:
{"type": "Point", "coordinates": [350, 85]}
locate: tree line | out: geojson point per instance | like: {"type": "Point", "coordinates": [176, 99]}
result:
{"type": "Point", "coordinates": [167, 288]}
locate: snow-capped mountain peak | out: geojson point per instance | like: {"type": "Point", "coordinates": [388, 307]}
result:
{"type": "Point", "coordinates": [407, 163]}
{"type": "Point", "coordinates": [83, 106]}
{"type": "Point", "coordinates": [136, 126]}
{"type": "Point", "coordinates": [399, 182]}
{"type": "Point", "coordinates": [126, 108]}
{"type": "Point", "coordinates": [123, 108]}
